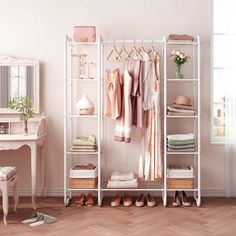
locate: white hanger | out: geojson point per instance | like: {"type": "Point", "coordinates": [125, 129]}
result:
{"type": "Point", "coordinates": [153, 50]}
{"type": "Point", "coordinates": [123, 49]}
{"type": "Point", "coordinates": [144, 51]}
{"type": "Point", "coordinates": [136, 51]}
{"type": "Point", "coordinates": [114, 50]}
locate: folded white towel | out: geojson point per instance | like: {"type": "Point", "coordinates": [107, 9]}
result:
{"type": "Point", "coordinates": [123, 184]}
{"type": "Point", "coordinates": [119, 176]}
{"type": "Point", "coordinates": [180, 136]}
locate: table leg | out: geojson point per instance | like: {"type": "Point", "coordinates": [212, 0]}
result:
{"type": "Point", "coordinates": [34, 173]}
{"type": "Point", "coordinates": [42, 158]}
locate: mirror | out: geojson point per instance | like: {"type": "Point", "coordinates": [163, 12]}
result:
{"type": "Point", "coordinates": [18, 78]}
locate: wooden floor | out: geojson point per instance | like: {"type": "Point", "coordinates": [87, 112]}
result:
{"type": "Point", "coordinates": [217, 216]}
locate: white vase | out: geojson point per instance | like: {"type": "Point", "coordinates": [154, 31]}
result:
{"type": "Point", "coordinates": [85, 106]}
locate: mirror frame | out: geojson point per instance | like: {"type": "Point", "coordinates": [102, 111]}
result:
{"type": "Point", "coordinates": [10, 61]}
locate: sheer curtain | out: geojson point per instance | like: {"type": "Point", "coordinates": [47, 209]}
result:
{"type": "Point", "coordinates": [230, 136]}
{"type": "Point", "coordinates": [227, 19]}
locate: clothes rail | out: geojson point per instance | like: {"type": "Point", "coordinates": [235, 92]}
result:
{"type": "Point", "coordinates": [134, 41]}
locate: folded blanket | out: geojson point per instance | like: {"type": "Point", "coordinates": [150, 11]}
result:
{"type": "Point", "coordinates": [184, 142]}
{"type": "Point", "coordinates": [180, 137]}
{"type": "Point", "coordinates": [174, 109]}
{"type": "Point", "coordinates": [172, 113]}
{"type": "Point", "coordinates": [116, 175]}
{"type": "Point", "coordinates": [180, 146]}
{"type": "Point", "coordinates": [123, 184]}
{"type": "Point", "coordinates": [183, 37]}
{"type": "Point", "coordinates": [181, 150]}
{"type": "Point", "coordinates": [85, 141]}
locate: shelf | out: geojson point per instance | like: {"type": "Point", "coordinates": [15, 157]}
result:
{"type": "Point", "coordinates": [182, 116]}
{"type": "Point", "coordinates": [143, 185]}
{"type": "Point", "coordinates": [131, 189]}
{"type": "Point", "coordinates": [83, 80]}
{"type": "Point", "coordinates": [182, 153]}
{"type": "Point", "coordinates": [183, 80]}
{"type": "Point", "coordinates": [83, 116]}
{"type": "Point", "coordinates": [181, 43]}
{"type": "Point", "coordinates": [182, 189]}
{"type": "Point", "coordinates": [83, 43]}
{"type": "Point", "coordinates": [82, 153]}
{"type": "Point", "coordinates": [82, 189]}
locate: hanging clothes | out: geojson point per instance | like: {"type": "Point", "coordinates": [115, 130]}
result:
{"type": "Point", "coordinates": [124, 122]}
{"type": "Point", "coordinates": [151, 104]}
{"type": "Point", "coordinates": [113, 93]}
{"type": "Point", "coordinates": [135, 69]}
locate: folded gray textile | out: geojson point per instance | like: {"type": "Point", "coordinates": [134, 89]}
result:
{"type": "Point", "coordinates": [181, 150]}
{"type": "Point", "coordinates": [180, 146]}
{"type": "Point", "coordinates": [39, 218]}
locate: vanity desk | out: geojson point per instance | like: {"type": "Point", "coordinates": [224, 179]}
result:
{"type": "Point", "coordinates": [19, 78]}
{"type": "Point", "coordinates": [35, 140]}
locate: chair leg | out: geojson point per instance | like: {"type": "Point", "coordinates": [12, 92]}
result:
{"type": "Point", "coordinates": [15, 194]}
{"type": "Point", "coordinates": [5, 201]}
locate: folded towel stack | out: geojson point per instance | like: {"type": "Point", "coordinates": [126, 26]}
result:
{"type": "Point", "coordinates": [84, 144]}
{"type": "Point", "coordinates": [174, 111]}
{"type": "Point", "coordinates": [123, 180]}
{"type": "Point", "coordinates": [180, 37]}
{"type": "Point", "coordinates": [180, 143]}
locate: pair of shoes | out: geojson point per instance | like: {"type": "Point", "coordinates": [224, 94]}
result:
{"type": "Point", "coordinates": [181, 198]}
{"type": "Point", "coordinates": [83, 200]}
{"type": "Point", "coordinates": [38, 219]}
{"type": "Point", "coordinates": [127, 200]}
{"type": "Point", "coordinates": [150, 201]}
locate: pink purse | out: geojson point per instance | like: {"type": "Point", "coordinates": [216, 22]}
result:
{"type": "Point", "coordinates": [84, 34]}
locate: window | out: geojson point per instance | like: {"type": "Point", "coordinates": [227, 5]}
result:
{"type": "Point", "coordinates": [224, 63]}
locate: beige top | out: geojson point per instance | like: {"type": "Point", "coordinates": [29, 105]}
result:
{"type": "Point", "coordinates": [113, 92]}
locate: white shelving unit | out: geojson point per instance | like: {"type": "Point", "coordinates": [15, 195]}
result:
{"type": "Point", "coordinates": [71, 119]}
{"type": "Point", "coordinates": [195, 80]}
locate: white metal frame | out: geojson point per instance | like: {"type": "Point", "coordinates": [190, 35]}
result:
{"type": "Point", "coordinates": [68, 78]}
{"type": "Point", "coordinates": [197, 154]}
{"type": "Point", "coordinates": [130, 42]}
{"type": "Point", "coordinates": [100, 117]}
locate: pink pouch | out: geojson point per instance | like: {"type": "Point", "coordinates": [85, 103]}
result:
{"type": "Point", "coordinates": [84, 34]}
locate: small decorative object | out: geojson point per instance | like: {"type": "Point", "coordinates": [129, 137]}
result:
{"type": "Point", "coordinates": [179, 58]}
{"type": "Point", "coordinates": [24, 106]}
{"type": "Point", "coordinates": [84, 106]}
{"type": "Point", "coordinates": [91, 70]}
{"type": "Point", "coordinates": [83, 66]}
{"type": "Point", "coordinates": [84, 34]}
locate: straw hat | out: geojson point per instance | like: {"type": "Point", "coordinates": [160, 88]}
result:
{"type": "Point", "coordinates": [183, 102]}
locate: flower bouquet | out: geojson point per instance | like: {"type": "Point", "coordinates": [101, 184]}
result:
{"type": "Point", "coordinates": [179, 58]}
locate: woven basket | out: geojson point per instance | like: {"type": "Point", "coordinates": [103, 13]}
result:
{"type": "Point", "coordinates": [182, 183]}
{"type": "Point", "coordinates": [83, 182]}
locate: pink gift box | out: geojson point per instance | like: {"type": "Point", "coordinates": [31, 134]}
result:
{"type": "Point", "coordinates": [84, 34]}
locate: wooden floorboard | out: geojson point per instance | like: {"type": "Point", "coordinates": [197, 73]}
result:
{"type": "Point", "coordinates": [217, 217]}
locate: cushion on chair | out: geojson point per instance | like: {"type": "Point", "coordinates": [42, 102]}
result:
{"type": "Point", "coordinates": [7, 172]}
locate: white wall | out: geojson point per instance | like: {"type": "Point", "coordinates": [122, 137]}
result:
{"type": "Point", "coordinates": [36, 29]}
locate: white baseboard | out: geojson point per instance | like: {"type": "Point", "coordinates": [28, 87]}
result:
{"type": "Point", "coordinates": [60, 193]}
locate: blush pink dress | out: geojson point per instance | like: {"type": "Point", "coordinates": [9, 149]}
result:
{"type": "Point", "coordinates": [113, 94]}
{"type": "Point", "coordinates": [124, 122]}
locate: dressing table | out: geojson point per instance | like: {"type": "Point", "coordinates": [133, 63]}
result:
{"type": "Point", "coordinates": [20, 77]}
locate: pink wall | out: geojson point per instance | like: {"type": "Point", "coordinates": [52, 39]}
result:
{"type": "Point", "coordinates": [36, 29]}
